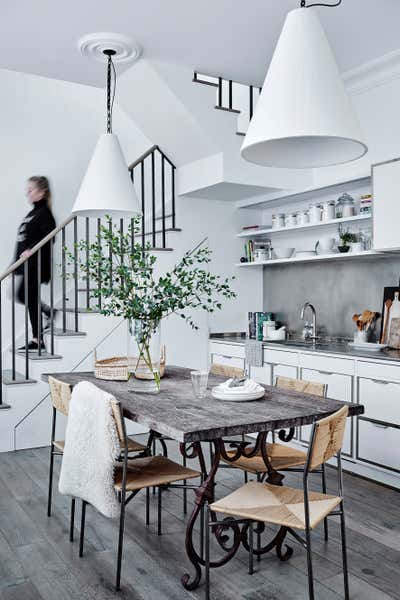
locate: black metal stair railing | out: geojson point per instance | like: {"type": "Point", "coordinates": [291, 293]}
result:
{"type": "Point", "coordinates": [159, 214]}
{"type": "Point", "coordinates": [157, 193]}
{"type": "Point", "coordinates": [226, 95]}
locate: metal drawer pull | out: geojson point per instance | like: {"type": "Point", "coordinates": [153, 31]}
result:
{"type": "Point", "coordinates": [226, 356]}
{"type": "Point", "coordinates": [380, 381]}
{"type": "Point", "coordinates": [325, 372]}
{"type": "Point", "coordinates": [379, 426]}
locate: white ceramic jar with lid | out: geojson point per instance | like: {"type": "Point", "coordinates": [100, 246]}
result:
{"type": "Point", "coordinates": [328, 211]}
{"type": "Point", "coordinates": [315, 213]}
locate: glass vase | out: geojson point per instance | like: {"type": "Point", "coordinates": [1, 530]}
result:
{"type": "Point", "coordinates": [144, 354]}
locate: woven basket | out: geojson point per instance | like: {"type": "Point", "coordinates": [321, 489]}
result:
{"type": "Point", "coordinates": [116, 368]}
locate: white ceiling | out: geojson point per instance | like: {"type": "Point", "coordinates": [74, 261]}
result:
{"type": "Point", "coordinates": [232, 38]}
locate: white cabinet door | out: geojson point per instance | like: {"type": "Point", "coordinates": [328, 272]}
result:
{"type": "Point", "coordinates": [283, 371]}
{"type": "Point", "coordinates": [340, 387]}
{"type": "Point", "coordinates": [378, 445]}
{"type": "Point", "coordinates": [262, 374]}
{"type": "Point", "coordinates": [381, 400]}
{"type": "Point", "coordinates": [386, 215]}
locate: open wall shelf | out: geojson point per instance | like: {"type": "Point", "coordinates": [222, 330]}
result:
{"type": "Point", "coordinates": [268, 231]}
{"type": "Point", "coordinates": [317, 257]}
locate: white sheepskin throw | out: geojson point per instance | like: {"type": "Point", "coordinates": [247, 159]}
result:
{"type": "Point", "coordinates": [91, 447]}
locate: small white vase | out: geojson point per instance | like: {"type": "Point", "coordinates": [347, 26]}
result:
{"type": "Point", "coordinates": [361, 337]}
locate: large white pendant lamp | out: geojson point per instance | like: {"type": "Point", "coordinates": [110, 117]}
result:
{"type": "Point", "coordinates": [304, 117]}
{"type": "Point", "coordinates": [106, 188]}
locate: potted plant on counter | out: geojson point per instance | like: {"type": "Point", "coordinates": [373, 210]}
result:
{"type": "Point", "coordinates": [126, 285]}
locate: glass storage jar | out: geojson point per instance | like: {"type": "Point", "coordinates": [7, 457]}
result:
{"type": "Point", "coordinates": [345, 206]}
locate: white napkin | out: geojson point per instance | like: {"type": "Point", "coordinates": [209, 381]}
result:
{"type": "Point", "coordinates": [249, 386]}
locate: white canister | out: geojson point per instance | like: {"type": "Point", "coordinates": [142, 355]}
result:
{"type": "Point", "coordinates": [291, 219]}
{"type": "Point", "coordinates": [303, 218]}
{"type": "Point", "coordinates": [360, 337]}
{"type": "Point", "coordinates": [315, 213]}
{"type": "Point", "coordinates": [328, 211]}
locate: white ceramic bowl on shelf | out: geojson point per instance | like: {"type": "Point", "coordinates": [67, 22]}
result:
{"type": "Point", "coordinates": [284, 252]}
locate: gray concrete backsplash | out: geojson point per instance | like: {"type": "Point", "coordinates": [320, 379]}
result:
{"type": "Point", "coordinates": [336, 289]}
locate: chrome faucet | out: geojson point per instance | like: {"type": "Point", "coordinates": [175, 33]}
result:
{"type": "Point", "coordinates": [310, 331]}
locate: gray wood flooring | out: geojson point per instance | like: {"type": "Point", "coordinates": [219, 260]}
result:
{"type": "Point", "coordinates": [37, 562]}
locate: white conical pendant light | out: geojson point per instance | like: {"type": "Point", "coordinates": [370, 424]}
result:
{"type": "Point", "coordinates": [303, 117]}
{"type": "Point", "coordinates": [106, 188]}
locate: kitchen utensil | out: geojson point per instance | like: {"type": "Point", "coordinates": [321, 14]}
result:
{"type": "Point", "coordinates": [388, 305]}
{"type": "Point", "coordinates": [199, 383]}
{"type": "Point", "coordinates": [283, 252]}
{"type": "Point", "coordinates": [367, 346]}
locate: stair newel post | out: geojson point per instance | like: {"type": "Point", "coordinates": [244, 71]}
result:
{"type": "Point", "coordinates": [26, 297]}
{"type": "Point", "coordinates": [132, 220]}
{"type": "Point", "coordinates": [87, 234]}
{"type": "Point", "coordinates": [64, 283]}
{"type": "Point", "coordinates": [99, 270]}
{"type": "Point", "coordinates": [219, 92]}
{"type": "Point", "coordinates": [251, 102]}
{"type": "Point", "coordinates": [2, 405]}
{"type": "Point", "coordinates": [51, 297]}
{"type": "Point", "coordinates": [110, 253]}
{"type": "Point", "coordinates": [230, 88]}
{"type": "Point", "coordinates": [13, 324]}
{"type": "Point", "coordinates": [153, 198]}
{"type": "Point", "coordinates": [121, 233]}
{"type": "Point", "coordinates": [173, 195]}
{"type": "Point", "coordinates": [163, 199]}
{"type": "Point", "coordinates": [143, 204]}
{"type": "Point", "coordinates": [39, 299]}
{"type": "Point", "coordinates": [76, 300]}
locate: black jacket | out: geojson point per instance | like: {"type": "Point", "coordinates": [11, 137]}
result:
{"type": "Point", "coordinates": [38, 223]}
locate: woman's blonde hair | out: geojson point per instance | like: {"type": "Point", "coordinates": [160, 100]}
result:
{"type": "Point", "coordinates": [43, 184]}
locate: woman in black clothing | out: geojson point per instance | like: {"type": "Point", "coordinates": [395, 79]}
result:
{"type": "Point", "coordinates": [38, 223]}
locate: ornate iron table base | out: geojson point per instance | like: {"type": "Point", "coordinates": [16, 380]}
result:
{"type": "Point", "coordinates": [205, 494]}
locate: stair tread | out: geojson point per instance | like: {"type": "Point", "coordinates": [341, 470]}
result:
{"type": "Point", "coordinates": [35, 356]}
{"type": "Point", "coordinates": [226, 109]}
{"type": "Point", "coordinates": [7, 378]}
{"type": "Point", "coordinates": [58, 332]}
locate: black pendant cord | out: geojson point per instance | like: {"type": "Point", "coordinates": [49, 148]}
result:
{"type": "Point", "coordinates": [304, 5]}
{"type": "Point", "coordinates": [111, 84]}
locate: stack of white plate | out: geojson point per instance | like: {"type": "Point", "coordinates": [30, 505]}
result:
{"type": "Point", "coordinates": [249, 390]}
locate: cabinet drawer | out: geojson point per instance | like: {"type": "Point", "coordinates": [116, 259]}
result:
{"type": "Point", "coordinates": [229, 361]}
{"type": "Point", "coordinates": [340, 387]}
{"type": "Point", "coordinates": [262, 374]}
{"type": "Point", "coordinates": [280, 357]}
{"type": "Point", "coordinates": [327, 364]}
{"type": "Point", "coordinates": [381, 399]}
{"type": "Point", "coordinates": [378, 370]}
{"type": "Point", "coordinates": [378, 445]}
{"type": "Point", "coordinates": [227, 349]}
{"type": "Point", "coordinates": [283, 371]}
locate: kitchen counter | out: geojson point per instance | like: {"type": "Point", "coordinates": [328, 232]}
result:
{"type": "Point", "coordinates": [323, 348]}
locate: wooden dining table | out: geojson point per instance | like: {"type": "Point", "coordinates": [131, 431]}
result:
{"type": "Point", "coordinates": [177, 414]}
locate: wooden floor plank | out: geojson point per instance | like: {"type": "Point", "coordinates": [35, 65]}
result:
{"type": "Point", "coordinates": [37, 562]}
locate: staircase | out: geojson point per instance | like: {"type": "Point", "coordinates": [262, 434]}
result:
{"type": "Point", "coordinates": [237, 98]}
{"type": "Point", "coordinates": [76, 328]}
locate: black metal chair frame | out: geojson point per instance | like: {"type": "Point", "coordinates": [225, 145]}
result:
{"type": "Point", "coordinates": [124, 498]}
{"type": "Point", "coordinates": [212, 522]}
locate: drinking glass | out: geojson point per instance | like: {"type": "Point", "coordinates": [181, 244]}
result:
{"type": "Point", "coordinates": [199, 383]}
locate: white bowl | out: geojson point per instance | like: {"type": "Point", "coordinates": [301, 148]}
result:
{"type": "Point", "coordinates": [284, 252]}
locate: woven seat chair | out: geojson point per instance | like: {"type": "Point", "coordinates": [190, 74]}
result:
{"type": "Point", "coordinates": [297, 510]}
{"type": "Point", "coordinates": [60, 395]}
{"type": "Point", "coordinates": [282, 456]}
{"type": "Point", "coordinates": [133, 475]}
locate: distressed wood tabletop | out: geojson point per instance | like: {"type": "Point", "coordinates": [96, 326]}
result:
{"type": "Point", "coordinates": [175, 412]}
